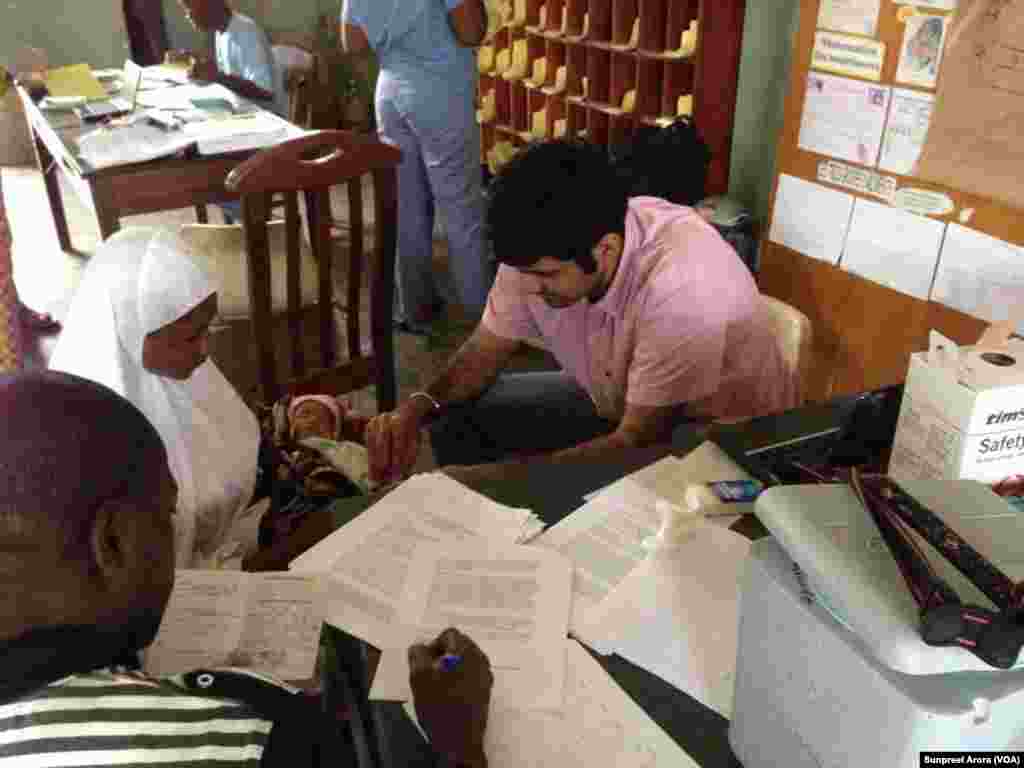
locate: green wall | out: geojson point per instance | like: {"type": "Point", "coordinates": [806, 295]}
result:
{"type": "Point", "coordinates": [768, 32]}
{"type": "Point", "coordinates": [69, 31]}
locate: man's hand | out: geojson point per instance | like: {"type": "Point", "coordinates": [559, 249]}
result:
{"type": "Point", "coordinates": [452, 703]}
{"type": "Point", "coordinates": [393, 442]}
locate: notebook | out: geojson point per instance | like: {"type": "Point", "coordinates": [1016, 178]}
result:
{"type": "Point", "coordinates": [849, 568]}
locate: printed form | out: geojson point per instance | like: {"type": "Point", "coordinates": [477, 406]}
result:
{"type": "Point", "coordinates": [513, 601]}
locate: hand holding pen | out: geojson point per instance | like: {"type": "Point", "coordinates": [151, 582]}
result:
{"type": "Point", "coordinates": [451, 683]}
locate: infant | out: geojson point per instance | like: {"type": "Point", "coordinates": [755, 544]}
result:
{"type": "Point", "coordinates": [323, 416]}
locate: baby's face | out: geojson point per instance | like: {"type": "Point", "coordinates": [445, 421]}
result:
{"type": "Point", "coordinates": [313, 419]}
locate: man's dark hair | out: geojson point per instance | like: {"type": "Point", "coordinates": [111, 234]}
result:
{"type": "Point", "coordinates": [557, 199]}
{"type": "Point", "coordinates": [69, 445]}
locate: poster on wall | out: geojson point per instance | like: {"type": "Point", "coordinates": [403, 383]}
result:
{"type": "Point", "coordinates": [843, 118]}
{"type": "Point", "coordinates": [924, 36]}
{"type": "Point", "coordinates": [974, 142]}
{"type": "Point", "coordinates": [857, 17]}
{"type": "Point", "coordinates": [905, 132]}
{"type": "Point", "coordinates": [939, 5]}
{"type": "Point", "coordinates": [848, 55]}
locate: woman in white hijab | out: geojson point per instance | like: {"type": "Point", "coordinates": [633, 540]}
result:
{"type": "Point", "coordinates": [139, 324]}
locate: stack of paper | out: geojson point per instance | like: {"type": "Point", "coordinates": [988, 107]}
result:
{"type": "Point", "coordinates": [520, 61]}
{"type": "Point", "coordinates": [512, 601]}
{"type": "Point", "coordinates": [604, 538]}
{"type": "Point", "coordinates": [244, 132]}
{"type": "Point", "coordinates": [598, 726]}
{"type": "Point", "coordinates": [134, 143]}
{"type": "Point", "coordinates": [368, 559]}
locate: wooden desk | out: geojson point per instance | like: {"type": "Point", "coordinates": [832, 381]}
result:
{"type": "Point", "coordinates": [553, 492]}
{"type": "Point", "coordinates": [158, 185]}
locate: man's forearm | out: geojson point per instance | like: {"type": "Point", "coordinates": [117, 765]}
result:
{"type": "Point", "coordinates": [244, 87]}
{"type": "Point", "coordinates": [469, 374]}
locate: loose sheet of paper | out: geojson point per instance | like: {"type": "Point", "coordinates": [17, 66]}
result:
{"type": "Point", "coordinates": [677, 616]}
{"type": "Point", "coordinates": [810, 219]}
{"type": "Point", "coordinates": [859, 17]}
{"type": "Point", "coordinates": [604, 538]}
{"type": "Point", "coordinates": [843, 118]}
{"type": "Point", "coordinates": [599, 726]}
{"type": "Point", "coordinates": [892, 247]}
{"type": "Point", "coordinates": [368, 559]}
{"type": "Point", "coordinates": [268, 621]}
{"type": "Point", "coordinates": [923, 40]}
{"type": "Point", "coordinates": [980, 275]}
{"type": "Point", "coordinates": [905, 132]}
{"type": "Point", "coordinates": [512, 600]}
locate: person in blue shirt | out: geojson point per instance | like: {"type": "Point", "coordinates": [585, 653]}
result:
{"type": "Point", "coordinates": [425, 105]}
{"type": "Point", "coordinates": [243, 60]}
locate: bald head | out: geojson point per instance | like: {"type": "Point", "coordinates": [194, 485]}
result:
{"type": "Point", "coordinates": [68, 446]}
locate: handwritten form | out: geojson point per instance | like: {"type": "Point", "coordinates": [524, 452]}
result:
{"type": "Point", "coordinates": [677, 616]}
{"type": "Point", "coordinates": [892, 247]}
{"type": "Point", "coordinates": [810, 219]}
{"type": "Point", "coordinates": [512, 600]}
{"type": "Point", "coordinates": [368, 559]}
{"type": "Point", "coordinates": [843, 118]}
{"type": "Point", "coordinates": [604, 538]}
{"type": "Point", "coordinates": [268, 621]}
{"type": "Point", "coordinates": [598, 726]}
{"type": "Point", "coordinates": [980, 275]}
{"type": "Point", "coordinates": [909, 116]}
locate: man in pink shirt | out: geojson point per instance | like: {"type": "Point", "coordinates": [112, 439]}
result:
{"type": "Point", "coordinates": [652, 316]}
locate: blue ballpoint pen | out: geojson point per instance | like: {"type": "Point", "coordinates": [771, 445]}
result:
{"type": "Point", "coordinates": [450, 662]}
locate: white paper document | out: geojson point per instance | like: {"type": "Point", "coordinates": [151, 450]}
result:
{"type": "Point", "coordinates": [368, 559]}
{"type": "Point", "coordinates": [843, 118]}
{"type": "Point", "coordinates": [243, 132]}
{"type": "Point", "coordinates": [924, 38]}
{"type": "Point", "coordinates": [599, 727]}
{"type": "Point", "coordinates": [909, 116]}
{"type": "Point", "coordinates": [604, 538]}
{"type": "Point", "coordinates": [893, 247]}
{"type": "Point", "coordinates": [980, 275]}
{"type": "Point", "coordinates": [267, 621]}
{"type": "Point", "coordinates": [677, 616]}
{"type": "Point", "coordinates": [810, 219]}
{"type": "Point", "coordinates": [513, 601]}
{"type": "Point", "coordinates": [858, 17]}
{"type": "Point", "coordinates": [138, 142]}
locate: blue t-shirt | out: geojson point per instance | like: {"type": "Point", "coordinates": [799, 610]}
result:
{"type": "Point", "coordinates": [243, 50]}
{"type": "Point", "coordinates": [415, 43]}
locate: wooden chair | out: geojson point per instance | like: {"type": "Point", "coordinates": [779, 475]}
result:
{"type": "Point", "coordinates": [311, 165]}
{"type": "Point", "coordinates": [796, 340]}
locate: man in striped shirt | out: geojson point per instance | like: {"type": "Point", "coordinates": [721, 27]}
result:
{"type": "Point", "coordinates": [86, 568]}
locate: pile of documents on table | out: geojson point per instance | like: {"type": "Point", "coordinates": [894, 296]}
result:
{"type": "Point", "coordinates": [434, 554]}
{"type": "Point", "coordinates": [670, 607]}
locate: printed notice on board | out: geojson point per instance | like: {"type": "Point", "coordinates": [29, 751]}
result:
{"type": "Point", "coordinates": [858, 179]}
{"type": "Point", "coordinates": [858, 17]}
{"type": "Point", "coordinates": [921, 53]}
{"type": "Point", "coordinates": [980, 275]}
{"type": "Point", "coordinates": [909, 116]}
{"type": "Point", "coordinates": [939, 5]}
{"type": "Point", "coordinates": [848, 55]}
{"type": "Point", "coordinates": [843, 118]}
{"type": "Point", "coordinates": [810, 219]}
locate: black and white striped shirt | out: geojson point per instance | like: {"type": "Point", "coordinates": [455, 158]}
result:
{"type": "Point", "coordinates": [106, 718]}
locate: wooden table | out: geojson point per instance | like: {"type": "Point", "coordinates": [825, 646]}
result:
{"type": "Point", "coordinates": [125, 190]}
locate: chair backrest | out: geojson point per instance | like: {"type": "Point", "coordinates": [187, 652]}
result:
{"type": "Point", "coordinates": [795, 335]}
{"type": "Point", "coordinates": [311, 165]}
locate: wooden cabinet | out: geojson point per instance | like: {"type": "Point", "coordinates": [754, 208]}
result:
{"type": "Point", "coordinates": [598, 69]}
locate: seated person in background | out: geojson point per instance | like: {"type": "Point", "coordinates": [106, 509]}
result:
{"type": "Point", "coordinates": [652, 316]}
{"type": "Point", "coordinates": [139, 324]}
{"type": "Point", "coordinates": [87, 503]}
{"type": "Point", "coordinates": [244, 60]}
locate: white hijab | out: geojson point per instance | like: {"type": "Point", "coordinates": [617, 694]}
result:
{"type": "Point", "coordinates": [140, 280]}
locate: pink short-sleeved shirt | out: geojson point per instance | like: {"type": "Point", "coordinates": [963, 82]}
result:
{"type": "Point", "coordinates": [682, 322]}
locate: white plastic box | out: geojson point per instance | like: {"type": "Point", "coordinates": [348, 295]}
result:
{"type": "Point", "coordinates": [962, 419]}
{"type": "Point", "coordinates": [808, 693]}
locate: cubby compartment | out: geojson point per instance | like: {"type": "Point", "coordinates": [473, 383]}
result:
{"type": "Point", "coordinates": [599, 68]}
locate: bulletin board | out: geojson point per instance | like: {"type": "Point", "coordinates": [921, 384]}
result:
{"type": "Point", "coordinates": [874, 254]}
